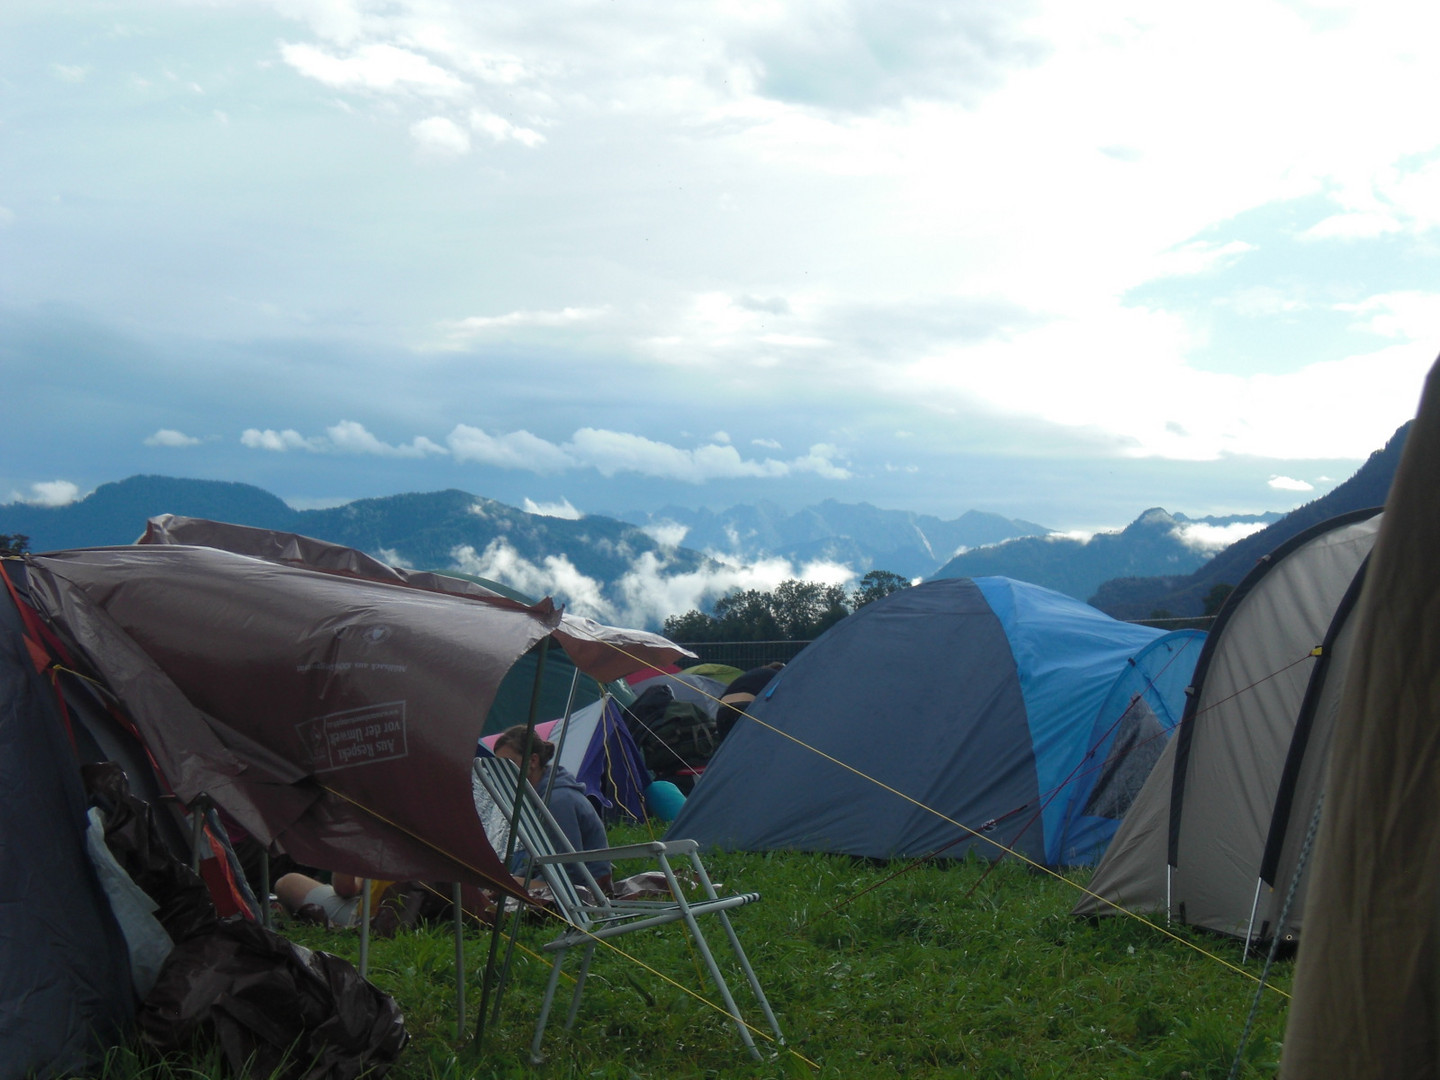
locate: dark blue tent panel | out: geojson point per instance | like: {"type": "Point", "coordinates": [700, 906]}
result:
{"type": "Point", "coordinates": [953, 706]}
{"type": "Point", "coordinates": [65, 987]}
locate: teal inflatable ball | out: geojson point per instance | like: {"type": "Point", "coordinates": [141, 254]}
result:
{"type": "Point", "coordinates": [663, 800]}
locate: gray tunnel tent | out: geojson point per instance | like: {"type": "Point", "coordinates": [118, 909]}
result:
{"type": "Point", "coordinates": [1368, 975]}
{"type": "Point", "coordinates": [1215, 834]}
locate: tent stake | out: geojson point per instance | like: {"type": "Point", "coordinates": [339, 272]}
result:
{"type": "Point", "coordinates": [1250, 929]}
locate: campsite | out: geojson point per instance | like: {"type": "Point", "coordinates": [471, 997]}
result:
{"type": "Point", "coordinates": [971, 829]}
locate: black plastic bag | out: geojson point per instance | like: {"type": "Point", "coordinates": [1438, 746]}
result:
{"type": "Point", "coordinates": [273, 1007]}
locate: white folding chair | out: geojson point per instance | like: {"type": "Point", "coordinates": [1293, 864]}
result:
{"type": "Point", "coordinates": [590, 920]}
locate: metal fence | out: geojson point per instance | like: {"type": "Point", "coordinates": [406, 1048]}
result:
{"type": "Point", "coordinates": [742, 654]}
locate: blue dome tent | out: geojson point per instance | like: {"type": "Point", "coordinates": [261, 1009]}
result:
{"type": "Point", "coordinates": [988, 704]}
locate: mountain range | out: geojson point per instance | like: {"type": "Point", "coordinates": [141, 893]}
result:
{"type": "Point", "coordinates": [640, 567]}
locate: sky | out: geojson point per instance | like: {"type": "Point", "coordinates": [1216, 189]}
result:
{"type": "Point", "coordinates": [1060, 261]}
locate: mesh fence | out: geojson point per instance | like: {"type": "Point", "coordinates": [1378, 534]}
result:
{"type": "Point", "coordinates": [743, 654]}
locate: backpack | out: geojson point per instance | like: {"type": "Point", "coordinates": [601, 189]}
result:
{"type": "Point", "coordinates": [671, 734]}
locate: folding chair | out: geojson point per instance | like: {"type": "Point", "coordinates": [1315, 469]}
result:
{"type": "Point", "coordinates": [596, 918]}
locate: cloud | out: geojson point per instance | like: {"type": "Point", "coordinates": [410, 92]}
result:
{"type": "Point", "coordinates": [278, 441]}
{"type": "Point", "coordinates": [460, 332]}
{"type": "Point", "coordinates": [612, 452]}
{"type": "Point", "coordinates": [554, 575]}
{"type": "Point", "coordinates": [440, 135]}
{"type": "Point", "coordinates": [1199, 256]}
{"type": "Point", "coordinates": [49, 493]}
{"type": "Point", "coordinates": [1287, 483]}
{"type": "Point", "coordinates": [346, 437]}
{"type": "Point", "coordinates": [516, 450]}
{"type": "Point", "coordinates": [668, 534]}
{"type": "Point", "coordinates": [501, 130]}
{"type": "Point", "coordinates": [373, 68]}
{"type": "Point", "coordinates": [171, 437]}
{"type": "Point", "coordinates": [349, 437]}
{"type": "Point", "coordinates": [72, 73]}
{"type": "Point", "coordinates": [562, 509]}
{"type": "Point", "coordinates": [1204, 537]}
{"type": "Point", "coordinates": [649, 591]}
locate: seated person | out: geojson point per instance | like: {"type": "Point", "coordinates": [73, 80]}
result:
{"type": "Point", "coordinates": [567, 800]}
{"type": "Point", "coordinates": [743, 689]}
{"type": "Point", "coordinates": [340, 901]}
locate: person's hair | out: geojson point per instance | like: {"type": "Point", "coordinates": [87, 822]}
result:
{"type": "Point", "coordinates": [513, 738]}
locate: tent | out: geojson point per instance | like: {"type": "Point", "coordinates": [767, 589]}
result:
{"type": "Point", "coordinates": [1368, 975]}
{"type": "Point", "coordinates": [1214, 836]}
{"type": "Point", "coordinates": [595, 746]}
{"type": "Point", "coordinates": [944, 710]}
{"type": "Point", "coordinates": [65, 985]}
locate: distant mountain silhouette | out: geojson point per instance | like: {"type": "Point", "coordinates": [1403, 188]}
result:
{"type": "Point", "coordinates": [859, 535]}
{"type": "Point", "coordinates": [428, 531]}
{"type": "Point", "coordinates": [1155, 543]}
{"type": "Point", "coordinates": [1184, 595]}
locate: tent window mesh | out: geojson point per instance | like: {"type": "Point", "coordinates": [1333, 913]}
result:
{"type": "Point", "coordinates": [1139, 741]}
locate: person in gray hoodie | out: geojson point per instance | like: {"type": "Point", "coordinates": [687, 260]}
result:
{"type": "Point", "coordinates": [567, 800]}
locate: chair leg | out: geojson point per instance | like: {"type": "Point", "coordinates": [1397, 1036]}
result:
{"type": "Point", "coordinates": [579, 985]}
{"type": "Point", "coordinates": [544, 1017]}
{"type": "Point", "coordinates": [751, 977]}
{"type": "Point", "coordinates": [734, 1010]}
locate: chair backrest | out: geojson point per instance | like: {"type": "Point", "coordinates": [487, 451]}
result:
{"type": "Point", "coordinates": [537, 830]}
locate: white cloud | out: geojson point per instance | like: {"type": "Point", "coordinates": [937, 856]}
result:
{"type": "Point", "coordinates": [171, 437]}
{"type": "Point", "coordinates": [613, 452]}
{"type": "Point", "coordinates": [1287, 483]}
{"type": "Point", "coordinates": [350, 437]}
{"type": "Point", "coordinates": [501, 130]}
{"type": "Point", "coordinates": [375, 68]}
{"type": "Point", "coordinates": [516, 450]}
{"type": "Point", "coordinates": [553, 576]}
{"type": "Point", "coordinates": [668, 534]}
{"type": "Point", "coordinates": [1210, 538]}
{"type": "Point", "coordinates": [440, 135]}
{"type": "Point", "coordinates": [73, 73]}
{"type": "Point", "coordinates": [278, 441]}
{"type": "Point", "coordinates": [562, 509]}
{"type": "Point", "coordinates": [49, 493]}
{"type": "Point", "coordinates": [649, 591]}
{"type": "Point", "coordinates": [346, 437]}
{"type": "Point", "coordinates": [460, 332]}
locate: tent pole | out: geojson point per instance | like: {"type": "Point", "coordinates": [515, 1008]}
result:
{"type": "Point", "coordinates": [197, 829]}
{"type": "Point", "coordinates": [364, 928]}
{"type": "Point", "coordinates": [564, 734]}
{"type": "Point", "coordinates": [1168, 908]}
{"type": "Point", "coordinates": [264, 898]}
{"type": "Point", "coordinates": [1250, 930]}
{"type": "Point", "coordinates": [491, 976]}
{"type": "Point", "coordinates": [459, 961]}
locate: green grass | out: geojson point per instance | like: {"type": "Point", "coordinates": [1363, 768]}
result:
{"type": "Point", "coordinates": [955, 970]}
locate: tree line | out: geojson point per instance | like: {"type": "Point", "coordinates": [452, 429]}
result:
{"type": "Point", "coordinates": [793, 611]}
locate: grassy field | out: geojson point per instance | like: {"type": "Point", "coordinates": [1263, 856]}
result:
{"type": "Point", "coordinates": [956, 970]}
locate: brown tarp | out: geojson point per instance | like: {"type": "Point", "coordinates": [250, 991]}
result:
{"type": "Point", "coordinates": [1366, 998]}
{"type": "Point", "coordinates": [335, 717]}
{"type": "Point", "coordinates": [605, 653]}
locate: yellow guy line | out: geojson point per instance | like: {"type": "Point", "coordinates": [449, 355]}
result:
{"type": "Point", "coordinates": [555, 915]}
{"type": "Point", "coordinates": [1023, 858]}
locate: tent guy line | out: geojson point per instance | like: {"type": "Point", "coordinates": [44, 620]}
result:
{"type": "Point", "coordinates": [1033, 864]}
